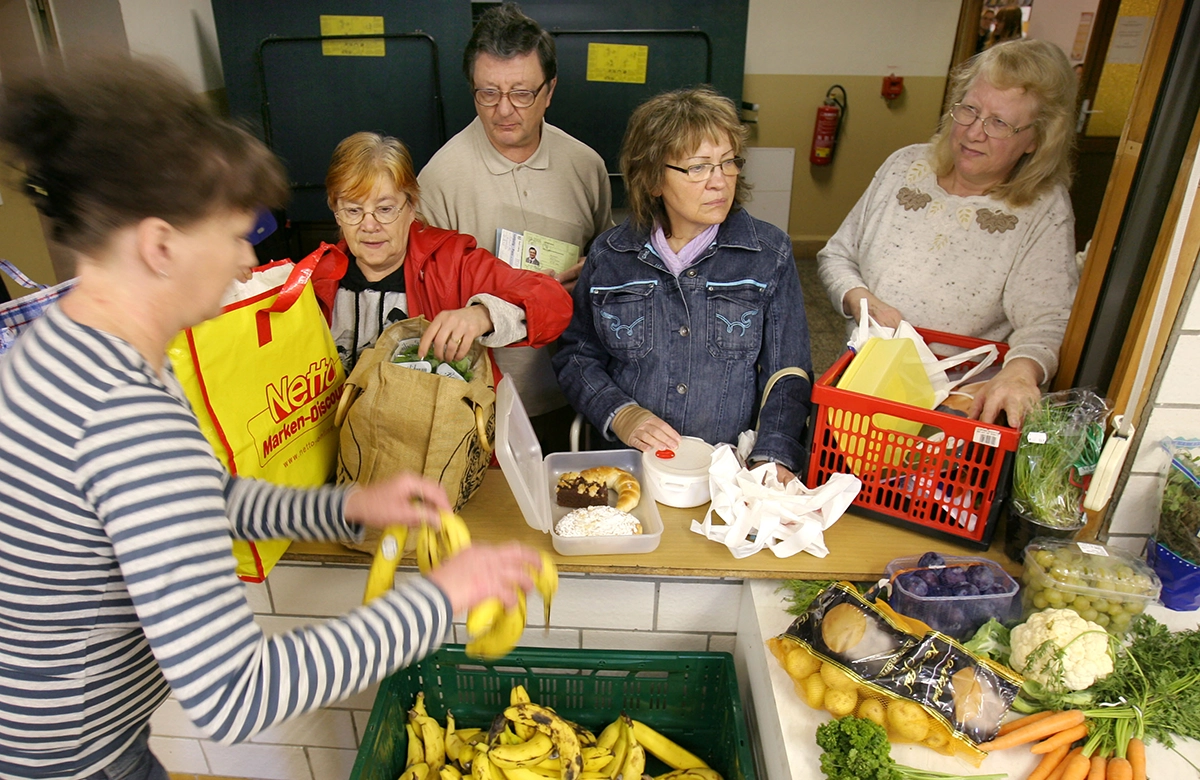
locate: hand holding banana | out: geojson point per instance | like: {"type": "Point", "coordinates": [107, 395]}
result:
{"type": "Point", "coordinates": [531, 742]}
{"type": "Point", "coordinates": [488, 581]}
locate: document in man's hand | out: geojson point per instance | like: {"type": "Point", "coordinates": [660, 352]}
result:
{"type": "Point", "coordinates": [535, 252]}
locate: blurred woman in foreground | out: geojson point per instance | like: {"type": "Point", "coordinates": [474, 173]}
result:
{"type": "Point", "coordinates": [116, 519]}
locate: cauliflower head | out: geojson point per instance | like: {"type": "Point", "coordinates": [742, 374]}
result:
{"type": "Point", "coordinates": [1060, 650]}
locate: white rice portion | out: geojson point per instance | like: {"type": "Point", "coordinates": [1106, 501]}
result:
{"type": "Point", "coordinates": [598, 521]}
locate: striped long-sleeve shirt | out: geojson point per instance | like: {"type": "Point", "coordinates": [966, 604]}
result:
{"type": "Point", "coordinates": [117, 580]}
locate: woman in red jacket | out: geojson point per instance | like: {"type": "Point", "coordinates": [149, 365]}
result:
{"type": "Point", "coordinates": [402, 267]}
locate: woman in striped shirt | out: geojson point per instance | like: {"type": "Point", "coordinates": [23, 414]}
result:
{"type": "Point", "coordinates": [117, 582]}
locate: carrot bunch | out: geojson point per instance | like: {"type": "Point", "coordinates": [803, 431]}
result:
{"type": "Point", "coordinates": [1060, 737]}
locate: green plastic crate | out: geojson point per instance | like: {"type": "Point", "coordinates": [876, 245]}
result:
{"type": "Point", "coordinates": [690, 697]}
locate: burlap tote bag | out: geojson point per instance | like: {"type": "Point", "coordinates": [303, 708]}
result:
{"type": "Point", "coordinates": [397, 419]}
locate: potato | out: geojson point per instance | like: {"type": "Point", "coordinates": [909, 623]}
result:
{"type": "Point", "coordinates": [836, 678]}
{"type": "Point", "coordinates": [967, 694]}
{"type": "Point", "coordinates": [814, 691]}
{"type": "Point", "coordinates": [800, 663]}
{"type": "Point", "coordinates": [779, 648]}
{"type": "Point", "coordinates": [840, 702]}
{"type": "Point", "coordinates": [907, 721]}
{"type": "Point", "coordinates": [938, 738]}
{"type": "Point", "coordinates": [872, 709]}
{"type": "Point", "coordinates": [843, 627]}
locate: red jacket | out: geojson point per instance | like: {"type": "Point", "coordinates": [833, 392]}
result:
{"type": "Point", "coordinates": [444, 268]}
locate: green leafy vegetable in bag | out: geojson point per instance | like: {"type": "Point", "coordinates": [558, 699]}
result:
{"type": "Point", "coordinates": [1179, 518]}
{"type": "Point", "coordinates": [409, 355]}
{"type": "Point", "coordinates": [1060, 444]}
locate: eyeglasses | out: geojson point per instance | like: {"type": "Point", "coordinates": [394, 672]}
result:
{"type": "Point", "coordinates": [993, 126]}
{"type": "Point", "coordinates": [703, 171]}
{"type": "Point", "coordinates": [384, 215]}
{"type": "Point", "coordinates": [520, 98]}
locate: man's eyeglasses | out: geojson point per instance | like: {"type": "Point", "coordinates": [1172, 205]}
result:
{"type": "Point", "coordinates": [703, 171]}
{"type": "Point", "coordinates": [384, 215]}
{"type": "Point", "coordinates": [520, 98]}
{"type": "Point", "coordinates": [993, 126]}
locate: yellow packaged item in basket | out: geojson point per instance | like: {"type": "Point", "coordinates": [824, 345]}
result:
{"type": "Point", "coordinates": [890, 369]}
{"type": "Point", "coordinates": [847, 657]}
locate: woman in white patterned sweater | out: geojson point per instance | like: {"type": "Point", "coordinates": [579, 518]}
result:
{"type": "Point", "coordinates": [117, 582]}
{"type": "Point", "coordinates": [973, 233]}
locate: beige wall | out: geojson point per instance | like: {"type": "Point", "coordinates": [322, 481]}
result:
{"type": "Point", "coordinates": [797, 49]}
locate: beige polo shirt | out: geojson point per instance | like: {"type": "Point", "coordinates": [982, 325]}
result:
{"type": "Point", "coordinates": [562, 191]}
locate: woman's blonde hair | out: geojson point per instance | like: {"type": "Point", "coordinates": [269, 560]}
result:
{"type": "Point", "coordinates": [671, 126]}
{"type": "Point", "coordinates": [361, 160]}
{"type": "Point", "coordinates": [1043, 71]}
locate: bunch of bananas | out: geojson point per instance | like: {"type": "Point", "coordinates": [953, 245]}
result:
{"type": "Point", "coordinates": [492, 629]}
{"type": "Point", "coordinates": [531, 742]}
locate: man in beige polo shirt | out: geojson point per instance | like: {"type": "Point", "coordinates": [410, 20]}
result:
{"type": "Point", "coordinates": [511, 170]}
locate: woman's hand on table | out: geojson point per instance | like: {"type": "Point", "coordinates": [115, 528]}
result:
{"type": "Point", "coordinates": [452, 332]}
{"type": "Point", "coordinates": [887, 316]}
{"type": "Point", "coordinates": [1013, 391]}
{"type": "Point", "coordinates": [643, 430]}
{"type": "Point", "coordinates": [484, 571]}
{"type": "Point", "coordinates": [407, 500]}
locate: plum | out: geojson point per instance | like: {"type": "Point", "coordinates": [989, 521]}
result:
{"type": "Point", "coordinates": [913, 584]}
{"type": "Point", "coordinates": [981, 576]}
{"type": "Point", "coordinates": [954, 575]}
{"type": "Point", "coordinates": [930, 576]}
{"type": "Point", "coordinates": [931, 559]}
{"type": "Point", "coordinates": [995, 589]}
{"type": "Point", "coordinates": [964, 589]}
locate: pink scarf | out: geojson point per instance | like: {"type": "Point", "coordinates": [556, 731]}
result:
{"type": "Point", "coordinates": [678, 262]}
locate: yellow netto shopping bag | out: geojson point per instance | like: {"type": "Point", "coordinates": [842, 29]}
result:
{"type": "Point", "coordinates": [264, 380]}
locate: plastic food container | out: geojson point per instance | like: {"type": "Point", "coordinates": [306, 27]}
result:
{"type": "Point", "coordinates": [1102, 584]}
{"type": "Point", "coordinates": [679, 477]}
{"type": "Point", "coordinates": [956, 616]}
{"type": "Point", "coordinates": [533, 479]}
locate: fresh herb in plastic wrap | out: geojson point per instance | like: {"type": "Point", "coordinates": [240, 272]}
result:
{"type": "Point", "coordinates": [1179, 517]}
{"type": "Point", "coordinates": [1061, 440]}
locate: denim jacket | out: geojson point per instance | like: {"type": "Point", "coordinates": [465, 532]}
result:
{"type": "Point", "coordinates": [697, 350]}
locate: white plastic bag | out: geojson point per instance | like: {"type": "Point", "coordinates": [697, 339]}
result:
{"type": "Point", "coordinates": [935, 367]}
{"type": "Point", "coordinates": [759, 512]}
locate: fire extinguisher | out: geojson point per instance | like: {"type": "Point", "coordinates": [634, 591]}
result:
{"type": "Point", "coordinates": [828, 127]}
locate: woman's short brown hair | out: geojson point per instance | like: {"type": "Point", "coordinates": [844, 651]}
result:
{"type": "Point", "coordinates": [1043, 71]}
{"type": "Point", "coordinates": [671, 126]}
{"type": "Point", "coordinates": [117, 140]}
{"type": "Point", "coordinates": [360, 161]}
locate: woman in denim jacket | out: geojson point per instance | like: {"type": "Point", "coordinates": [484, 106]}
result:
{"type": "Point", "coordinates": [691, 309]}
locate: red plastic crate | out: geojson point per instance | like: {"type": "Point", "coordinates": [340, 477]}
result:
{"type": "Point", "coordinates": [953, 488]}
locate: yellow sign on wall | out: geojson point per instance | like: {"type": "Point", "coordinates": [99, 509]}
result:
{"type": "Point", "coordinates": [617, 62]}
{"type": "Point", "coordinates": [353, 25]}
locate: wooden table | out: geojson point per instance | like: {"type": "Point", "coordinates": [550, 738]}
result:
{"type": "Point", "coordinates": [859, 548]}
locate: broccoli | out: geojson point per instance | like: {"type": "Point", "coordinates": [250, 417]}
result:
{"type": "Point", "coordinates": [858, 749]}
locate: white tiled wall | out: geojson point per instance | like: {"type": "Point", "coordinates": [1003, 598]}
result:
{"type": "Point", "coordinates": [590, 612]}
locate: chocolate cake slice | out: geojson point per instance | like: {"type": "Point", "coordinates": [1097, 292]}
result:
{"type": "Point", "coordinates": [575, 491]}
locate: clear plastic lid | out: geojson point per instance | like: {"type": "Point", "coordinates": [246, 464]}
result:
{"type": "Point", "coordinates": [520, 457]}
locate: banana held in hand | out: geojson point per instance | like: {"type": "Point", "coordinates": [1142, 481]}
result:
{"type": "Point", "coordinates": [549, 723]}
{"type": "Point", "coordinates": [501, 634]}
{"type": "Point", "coordinates": [545, 581]}
{"type": "Point", "coordinates": [382, 576]}
{"type": "Point", "coordinates": [664, 749]}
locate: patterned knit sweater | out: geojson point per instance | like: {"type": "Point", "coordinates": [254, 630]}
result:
{"type": "Point", "coordinates": [974, 266]}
